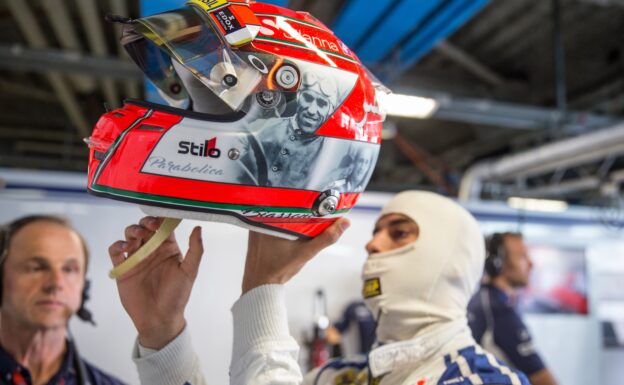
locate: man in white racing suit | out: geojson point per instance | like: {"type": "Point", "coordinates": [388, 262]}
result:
{"type": "Point", "coordinates": [425, 260]}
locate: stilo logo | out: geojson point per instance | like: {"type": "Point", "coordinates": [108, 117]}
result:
{"type": "Point", "coordinates": [208, 149]}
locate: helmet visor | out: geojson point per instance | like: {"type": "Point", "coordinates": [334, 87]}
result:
{"type": "Point", "coordinates": [187, 36]}
{"type": "Point", "coordinates": [170, 45]}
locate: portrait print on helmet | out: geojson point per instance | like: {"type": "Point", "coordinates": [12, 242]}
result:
{"type": "Point", "coordinates": [271, 122]}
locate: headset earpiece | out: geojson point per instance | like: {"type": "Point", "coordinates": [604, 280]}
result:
{"type": "Point", "coordinates": [495, 254]}
{"type": "Point", "coordinates": [83, 313]}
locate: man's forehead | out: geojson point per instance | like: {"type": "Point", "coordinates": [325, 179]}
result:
{"type": "Point", "coordinates": [315, 94]}
{"type": "Point", "coordinates": [515, 242]}
{"type": "Point", "coordinates": [47, 239]}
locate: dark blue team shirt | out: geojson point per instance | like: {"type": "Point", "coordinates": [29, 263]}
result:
{"type": "Point", "coordinates": [491, 308]}
{"type": "Point", "coordinates": [12, 373]}
{"type": "Point", "coordinates": [358, 314]}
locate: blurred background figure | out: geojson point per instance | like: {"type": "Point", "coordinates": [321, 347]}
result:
{"type": "Point", "coordinates": [492, 316]}
{"type": "Point", "coordinates": [356, 320]}
{"type": "Point", "coordinates": [43, 263]}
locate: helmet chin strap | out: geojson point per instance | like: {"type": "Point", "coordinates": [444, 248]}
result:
{"type": "Point", "coordinates": [163, 232]}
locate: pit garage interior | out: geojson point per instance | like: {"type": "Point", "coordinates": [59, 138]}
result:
{"type": "Point", "coordinates": [513, 107]}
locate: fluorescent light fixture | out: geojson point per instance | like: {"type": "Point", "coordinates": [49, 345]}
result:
{"type": "Point", "coordinates": [530, 204]}
{"type": "Point", "coordinates": [406, 105]}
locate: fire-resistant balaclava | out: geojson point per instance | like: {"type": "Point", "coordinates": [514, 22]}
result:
{"type": "Point", "coordinates": [429, 282]}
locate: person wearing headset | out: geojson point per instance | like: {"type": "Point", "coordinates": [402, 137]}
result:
{"type": "Point", "coordinates": [43, 263]}
{"type": "Point", "coordinates": [494, 322]}
{"type": "Point", "coordinates": [424, 262]}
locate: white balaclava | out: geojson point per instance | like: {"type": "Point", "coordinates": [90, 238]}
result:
{"type": "Point", "coordinates": [427, 284]}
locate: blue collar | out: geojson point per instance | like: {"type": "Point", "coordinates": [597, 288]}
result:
{"type": "Point", "coordinates": [9, 367]}
{"type": "Point", "coordinates": [498, 294]}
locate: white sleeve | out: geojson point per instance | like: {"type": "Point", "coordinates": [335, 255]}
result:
{"type": "Point", "coordinates": [264, 351]}
{"type": "Point", "coordinates": [175, 364]}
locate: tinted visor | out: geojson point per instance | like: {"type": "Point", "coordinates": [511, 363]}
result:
{"type": "Point", "coordinates": [187, 36]}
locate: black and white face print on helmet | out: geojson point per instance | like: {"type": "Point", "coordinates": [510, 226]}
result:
{"type": "Point", "coordinates": [278, 146]}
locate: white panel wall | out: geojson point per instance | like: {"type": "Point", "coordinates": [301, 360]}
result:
{"type": "Point", "coordinates": [569, 346]}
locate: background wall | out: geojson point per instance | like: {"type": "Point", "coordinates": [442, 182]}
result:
{"type": "Point", "coordinates": [571, 345]}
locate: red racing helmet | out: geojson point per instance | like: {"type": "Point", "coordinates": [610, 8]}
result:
{"type": "Point", "coordinates": [268, 122]}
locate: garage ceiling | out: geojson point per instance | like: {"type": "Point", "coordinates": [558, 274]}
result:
{"type": "Point", "coordinates": [489, 64]}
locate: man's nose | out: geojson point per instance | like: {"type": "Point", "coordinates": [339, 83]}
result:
{"type": "Point", "coordinates": [54, 280]}
{"type": "Point", "coordinates": [313, 108]}
{"type": "Point", "coordinates": [378, 243]}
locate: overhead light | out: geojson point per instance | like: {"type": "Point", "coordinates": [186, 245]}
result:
{"type": "Point", "coordinates": [407, 106]}
{"type": "Point", "coordinates": [531, 204]}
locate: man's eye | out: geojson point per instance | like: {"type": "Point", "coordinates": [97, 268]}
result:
{"type": "Point", "coordinates": [308, 98]}
{"type": "Point", "coordinates": [34, 267]}
{"type": "Point", "coordinates": [399, 234]}
{"type": "Point", "coordinates": [70, 269]}
{"type": "Point", "coordinates": [321, 103]}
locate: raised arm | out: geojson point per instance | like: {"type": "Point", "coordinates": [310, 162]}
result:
{"type": "Point", "coordinates": [264, 352]}
{"type": "Point", "coordinates": [155, 294]}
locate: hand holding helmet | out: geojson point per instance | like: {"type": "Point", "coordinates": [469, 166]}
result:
{"type": "Point", "coordinates": [155, 295]}
{"type": "Point", "coordinates": [272, 260]}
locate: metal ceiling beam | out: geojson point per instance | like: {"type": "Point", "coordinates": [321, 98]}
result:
{"type": "Point", "coordinates": [437, 27]}
{"type": "Point", "coordinates": [17, 58]}
{"type": "Point", "coordinates": [62, 25]}
{"type": "Point", "coordinates": [34, 36]}
{"type": "Point", "coordinates": [595, 96]}
{"type": "Point", "coordinates": [393, 35]}
{"type": "Point", "coordinates": [394, 27]}
{"type": "Point", "coordinates": [92, 23]}
{"type": "Point", "coordinates": [605, 3]}
{"type": "Point", "coordinates": [559, 189]}
{"type": "Point", "coordinates": [524, 23]}
{"type": "Point", "coordinates": [120, 7]}
{"type": "Point", "coordinates": [518, 116]}
{"type": "Point", "coordinates": [463, 155]}
{"type": "Point", "coordinates": [14, 88]}
{"type": "Point", "coordinates": [435, 80]}
{"type": "Point", "coordinates": [570, 186]}
{"type": "Point", "coordinates": [532, 37]}
{"type": "Point", "coordinates": [47, 148]}
{"type": "Point", "coordinates": [471, 64]}
{"type": "Point", "coordinates": [569, 152]}
{"type": "Point", "coordinates": [613, 105]}
{"type": "Point", "coordinates": [27, 133]}
{"type": "Point", "coordinates": [364, 14]}
{"type": "Point", "coordinates": [561, 93]}
{"type": "Point", "coordinates": [572, 160]}
{"type": "Point", "coordinates": [20, 161]}
{"type": "Point", "coordinates": [423, 161]}
{"type": "Point", "coordinates": [496, 15]}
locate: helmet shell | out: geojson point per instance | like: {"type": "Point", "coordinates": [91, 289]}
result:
{"type": "Point", "coordinates": [289, 154]}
